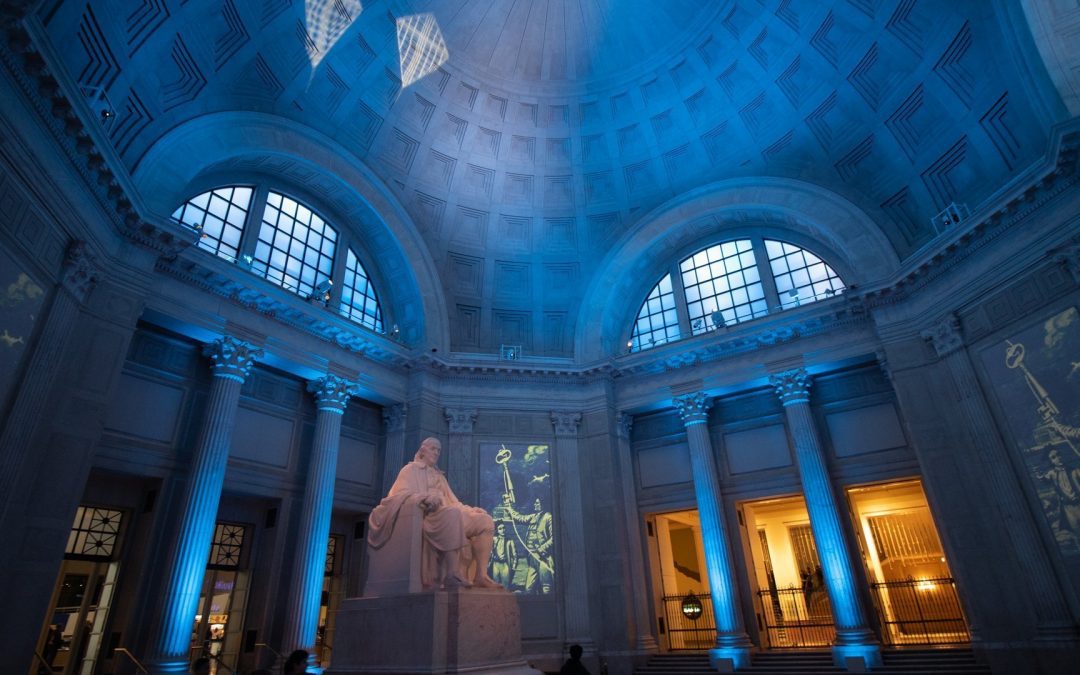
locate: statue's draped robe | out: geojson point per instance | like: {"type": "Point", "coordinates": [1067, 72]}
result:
{"type": "Point", "coordinates": [447, 528]}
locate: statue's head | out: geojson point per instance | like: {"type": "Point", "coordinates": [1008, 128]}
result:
{"type": "Point", "coordinates": [429, 451]}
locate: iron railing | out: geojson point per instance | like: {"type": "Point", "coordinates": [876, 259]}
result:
{"type": "Point", "coordinates": [796, 617]}
{"type": "Point", "coordinates": [690, 623]}
{"type": "Point", "coordinates": [920, 612]}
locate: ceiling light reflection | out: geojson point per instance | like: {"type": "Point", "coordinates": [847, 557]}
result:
{"type": "Point", "coordinates": [421, 49]}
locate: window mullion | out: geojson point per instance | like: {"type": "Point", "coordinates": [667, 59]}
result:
{"type": "Point", "coordinates": [338, 269]}
{"type": "Point", "coordinates": [681, 311]}
{"type": "Point", "coordinates": [768, 283]}
{"type": "Point", "coordinates": [250, 237]}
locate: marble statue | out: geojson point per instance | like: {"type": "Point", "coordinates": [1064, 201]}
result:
{"type": "Point", "coordinates": [456, 537]}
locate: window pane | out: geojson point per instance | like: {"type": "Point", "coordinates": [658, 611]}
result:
{"type": "Point", "coordinates": [302, 262]}
{"type": "Point", "coordinates": [655, 325]}
{"type": "Point", "coordinates": [809, 279]}
{"type": "Point", "coordinates": [206, 213]}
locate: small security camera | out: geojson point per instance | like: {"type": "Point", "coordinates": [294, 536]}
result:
{"type": "Point", "coordinates": [107, 114]}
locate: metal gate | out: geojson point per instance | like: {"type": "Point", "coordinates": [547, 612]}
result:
{"type": "Point", "coordinates": [690, 622]}
{"type": "Point", "coordinates": [921, 612]}
{"type": "Point", "coordinates": [797, 617]}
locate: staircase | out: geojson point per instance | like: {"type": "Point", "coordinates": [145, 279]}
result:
{"type": "Point", "coordinates": [800, 662]}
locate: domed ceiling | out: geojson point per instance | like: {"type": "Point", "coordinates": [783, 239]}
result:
{"type": "Point", "coordinates": [525, 138]}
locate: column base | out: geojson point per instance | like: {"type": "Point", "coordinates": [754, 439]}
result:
{"type": "Point", "coordinates": [168, 667]}
{"type": "Point", "coordinates": [857, 658]}
{"type": "Point", "coordinates": [729, 659]}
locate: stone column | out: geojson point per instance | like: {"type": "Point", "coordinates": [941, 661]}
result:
{"type": "Point", "coordinates": [854, 639]}
{"type": "Point", "coordinates": [232, 361]}
{"type": "Point", "coordinates": [394, 459]}
{"type": "Point", "coordinates": [635, 553]}
{"type": "Point", "coordinates": [572, 572]}
{"type": "Point", "coordinates": [732, 649]}
{"type": "Point", "coordinates": [302, 620]}
{"type": "Point", "coordinates": [1053, 618]}
{"type": "Point", "coordinates": [460, 468]}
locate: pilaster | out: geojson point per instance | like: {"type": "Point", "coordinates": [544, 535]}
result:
{"type": "Point", "coordinates": [574, 572]}
{"type": "Point", "coordinates": [461, 471]}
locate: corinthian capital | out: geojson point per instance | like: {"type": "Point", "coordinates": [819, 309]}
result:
{"type": "Point", "coordinates": [394, 416]}
{"type": "Point", "coordinates": [693, 408]}
{"type": "Point", "coordinates": [232, 358]}
{"type": "Point", "coordinates": [945, 336]}
{"type": "Point", "coordinates": [332, 393]}
{"type": "Point", "coordinates": [792, 386]}
{"type": "Point", "coordinates": [565, 423]}
{"type": "Point", "coordinates": [623, 423]}
{"type": "Point", "coordinates": [461, 419]}
{"type": "Point", "coordinates": [80, 270]}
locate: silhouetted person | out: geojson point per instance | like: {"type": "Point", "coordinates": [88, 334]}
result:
{"type": "Point", "coordinates": [296, 663]}
{"type": "Point", "coordinates": [573, 665]}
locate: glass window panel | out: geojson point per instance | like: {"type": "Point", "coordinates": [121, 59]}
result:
{"type": "Point", "coordinates": [729, 249]}
{"type": "Point", "coordinates": [207, 213]}
{"type": "Point", "coordinates": [773, 249]}
{"type": "Point", "coordinates": [810, 278]}
{"type": "Point", "coordinates": [212, 227]}
{"type": "Point", "coordinates": [800, 278]}
{"type": "Point", "coordinates": [218, 206]}
{"type": "Point", "coordinates": [747, 259]}
{"type": "Point", "coordinates": [656, 322]}
{"type": "Point", "coordinates": [230, 237]}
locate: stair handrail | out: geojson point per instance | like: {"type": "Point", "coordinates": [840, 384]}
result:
{"type": "Point", "coordinates": [134, 660]}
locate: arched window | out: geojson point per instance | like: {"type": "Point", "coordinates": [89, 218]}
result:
{"type": "Point", "coordinates": [358, 299]}
{"type": "Point", "coordinates": [656, 321]}
{"type": "Point", "coordinates": [721, 285]}
{"type": "Point", "coordinates": [293, 246]}
{"type": "Point", "coordinates": [218, 216]}
{"type": "Point", "coordinates": [296, 246]}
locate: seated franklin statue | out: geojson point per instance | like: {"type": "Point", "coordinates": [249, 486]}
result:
{"type": "Point", "coordinates": [455, 535]}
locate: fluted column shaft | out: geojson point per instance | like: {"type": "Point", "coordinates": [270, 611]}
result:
{"type": "Point", "coordinates": [305, 594]}
{"type": "Point", "coordinates": [232, 363]}
{"type": "Point", "coordinates": [573, 571]}
{"type": "Point", "coordinates": [635, 550]}
{"type": "Point", "coordinates": [1052, 612]}
{"type": "Point", "coordinates": [849, 614]}
{"type": "Point", "coordinates": [732, 643]}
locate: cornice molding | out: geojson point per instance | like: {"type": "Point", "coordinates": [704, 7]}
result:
{"type": "Point", "coordinates": [199, 270]}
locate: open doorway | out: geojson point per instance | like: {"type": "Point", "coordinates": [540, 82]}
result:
{"type": "Point", "coordinates": [680, 581]}
{"type": "Point", "coordinates": [71, 637]}
{"type": "Point", "coordinates": [916, 596]}
{"type": "Point", "coordinates": [791, 601]}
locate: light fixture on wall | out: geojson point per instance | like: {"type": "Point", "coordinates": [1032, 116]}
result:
{"type": "Point", "coordinates": [510, 352]}
{"type": "Point", "coordinates": [99, 103]}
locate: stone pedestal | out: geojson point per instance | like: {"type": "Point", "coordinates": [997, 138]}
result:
{"type": "Point", "coordinates": [453, 631]}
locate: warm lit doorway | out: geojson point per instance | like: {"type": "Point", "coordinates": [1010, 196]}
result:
{"type": "Point", "coordinates": [71, 638]}
{"type": "Point", "coordinates": [219, 619]}
{"type": "Point", "coordinates": [680, 581]}
{"type": "Point", "coordinates": [791, 602]}
{"type": "Point", "coordinates": [914, 591]}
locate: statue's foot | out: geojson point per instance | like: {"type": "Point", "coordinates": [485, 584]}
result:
{"type": "Point", "coordinates": [484, 581]}
{"type": "Point", "coordinates": [455, 581]}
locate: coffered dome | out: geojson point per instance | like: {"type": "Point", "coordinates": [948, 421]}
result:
{"type": "Point", "coordinates": [521, 144]}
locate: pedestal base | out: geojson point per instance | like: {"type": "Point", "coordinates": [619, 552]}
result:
{"type": "Point", "coordinates": [453, 631]}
